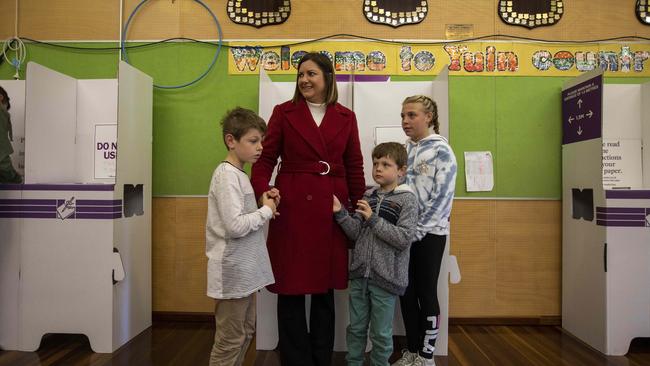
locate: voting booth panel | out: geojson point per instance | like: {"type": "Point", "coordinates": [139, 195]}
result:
{"type": "Point", "coordinates": [10, 249]}
{"type": "Point", "coordinates": [83, 242]}
{"type": "Point", "coordinates": [606, 213]}
{"type": "Point", "coordinates": [377, 105]}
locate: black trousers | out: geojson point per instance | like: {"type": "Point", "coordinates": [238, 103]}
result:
{"type": "Point", "coordinates": [420, 307]}
{"type": "Point", "coordinates": [298, 346]}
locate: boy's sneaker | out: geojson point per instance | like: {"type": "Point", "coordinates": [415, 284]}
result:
{"type": "Point", "coordinates": [407, 358]}
{"type": "Point", "coordinates": [421, 361]}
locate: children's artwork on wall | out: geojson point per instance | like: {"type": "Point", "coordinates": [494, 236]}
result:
{"type": "Point", "coordinates": [259, 13]}
{"type": "Point", "coordinates": [642, 10]}
{"type": "Point", "coordinates": [531, 13]}
{"type": "Point", "coordinates": [395, 12]}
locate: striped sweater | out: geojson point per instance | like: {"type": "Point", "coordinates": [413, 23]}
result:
{"type": "Point", "coordinates": [381, 249]}
{"type": "Point", "coordinates": [238, 263]}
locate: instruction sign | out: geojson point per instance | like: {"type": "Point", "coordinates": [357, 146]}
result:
{"type": "Point", "coordinates": [582, 111]}
{"type": "Point", "coordinates": [105, 151]}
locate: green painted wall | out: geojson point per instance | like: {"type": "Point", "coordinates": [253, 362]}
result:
{"type": "Point", "coordinates": [516, 118]}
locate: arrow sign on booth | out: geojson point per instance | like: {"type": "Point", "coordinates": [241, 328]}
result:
{"type": "Point", "coordinates": [580, 126]}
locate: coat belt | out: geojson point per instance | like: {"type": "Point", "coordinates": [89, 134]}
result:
{"type": "Point", "coordinates": [316, 167]}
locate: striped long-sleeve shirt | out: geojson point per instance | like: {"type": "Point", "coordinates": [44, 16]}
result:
{"type": "Point", "coordinates": [238, 262]}
{"type": "Point", "coordinates": [431, 174]}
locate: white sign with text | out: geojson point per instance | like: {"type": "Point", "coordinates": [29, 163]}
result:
{"type": "Point", "coordinates": [105, 151]}
{"type": "Point", "coordinates": [622, 166]}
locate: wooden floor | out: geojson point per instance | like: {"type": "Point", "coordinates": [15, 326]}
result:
{"type": "Point", "coordinates": [189, 343]}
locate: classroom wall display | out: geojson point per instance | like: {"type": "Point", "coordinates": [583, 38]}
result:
{"type": "Point", "coordinates": [530, 13]}
{"type": "Point", "coordinates": [605, 223]}
{"type": "Point", "coordinates": [395, 13]}
{"type": "Point", "coordinates": [258, 13]}
{"type": "Point", "coordinates": [78, 248]}
{"type": "Point", "coordinates": [466, 59]}
{"type": "Point", "coordinates": [642, 10]}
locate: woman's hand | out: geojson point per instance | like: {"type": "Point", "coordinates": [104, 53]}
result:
{"type": "Point", "coordinates": [274, 193]}
{"type": "Point", "coordinates": [336, 204]}
{"type": "Point", "coordinates": [270, 202]}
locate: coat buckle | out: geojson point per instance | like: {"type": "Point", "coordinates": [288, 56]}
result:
{"type": "Point", "coordinates": [327, 167]}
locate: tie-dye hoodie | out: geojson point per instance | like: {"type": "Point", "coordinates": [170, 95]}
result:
{"type": "Point", "coordinates": [431, 174]}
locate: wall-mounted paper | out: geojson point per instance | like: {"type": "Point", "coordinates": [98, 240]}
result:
{"type": "Point", "coordinates": [478, 171]}
{"type": "Point", "coordinates": [105, 150]}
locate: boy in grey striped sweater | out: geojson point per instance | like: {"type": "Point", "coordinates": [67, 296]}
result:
{"type": "Point", "coordinates": [382, 228]}
{"type": "Point", "coordinates": [238, 263]}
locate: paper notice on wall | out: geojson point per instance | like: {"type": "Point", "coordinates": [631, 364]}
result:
{"type": "Point", "coordinates": [622, 165]}
{"type": "Point", "coordinates": [105, 151]}
{"type": "Point", "coordinates": [479, 174]}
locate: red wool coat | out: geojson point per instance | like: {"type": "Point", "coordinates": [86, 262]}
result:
{"type": "Point", "coordinates": [308, 249]}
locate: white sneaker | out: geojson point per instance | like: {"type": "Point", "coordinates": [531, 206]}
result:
{"type": "Point", "coordinates": [421, 361]}
{"type": "Point", "coordinates": [406, 359]}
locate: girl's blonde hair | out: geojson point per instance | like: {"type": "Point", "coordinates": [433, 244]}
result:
{"type": "Point", "coordinates": [429, 107]}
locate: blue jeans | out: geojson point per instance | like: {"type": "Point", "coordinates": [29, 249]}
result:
{"type": "Point", "coordinates": [371, 307]}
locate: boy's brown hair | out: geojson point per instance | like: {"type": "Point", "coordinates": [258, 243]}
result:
{"type": "Point", "coordinates": [239, 120]}
{"type": "Point", "coordinates": [392, 150]}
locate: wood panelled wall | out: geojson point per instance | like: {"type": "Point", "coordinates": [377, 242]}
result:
{"type": "Point", "coordinates": [159, 19]}
{"type": "Point", "coordinates": [509, 253]}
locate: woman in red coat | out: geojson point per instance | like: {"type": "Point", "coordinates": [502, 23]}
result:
{"type": "Point", "coordinates": [317, 140]}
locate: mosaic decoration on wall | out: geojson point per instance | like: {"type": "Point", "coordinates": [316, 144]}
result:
{"type": "Point", "coordinates": [258, 13]}
{"type": "Point", "coordinates": [531, 13]}
{"type": "Point", "coordinates": [395, 12]}
{"type": "Point", "coordinates": [642, 11]}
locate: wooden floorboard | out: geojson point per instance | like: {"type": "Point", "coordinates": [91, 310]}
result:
{"type": "Point", "coordinates": [189, 344]}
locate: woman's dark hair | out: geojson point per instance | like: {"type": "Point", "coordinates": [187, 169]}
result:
{"type": "Point", "coordinates": [325, 65]}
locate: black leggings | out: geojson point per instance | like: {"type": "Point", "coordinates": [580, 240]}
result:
{"type": "Point", "coordinates": [298, 347]}
{"type": "Point", "coordinates": [420, 307]}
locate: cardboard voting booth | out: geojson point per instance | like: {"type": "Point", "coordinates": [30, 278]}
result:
{"type": "Point", "coordinates": [606, 212]}
{"type": "Point", "coordinates": [377, 103]}
{"type": "Point", "coordinates": [76, 237]}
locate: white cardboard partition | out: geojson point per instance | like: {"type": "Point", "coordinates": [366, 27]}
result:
{"type": "Point", "coordinates": [606, 232]}
{"type": "Point", "coordinates": [9, 248]}
{"type": "Point", "coordinates": [645, 131]}
{"type": "Point", "coordinates": [132, 302]}
{"type": "Point", "coordinates": [376, 105]}
{"type": "Point", "coordinates": [82, 245]}
{"type": "Point", "coordinates": [50, 148]}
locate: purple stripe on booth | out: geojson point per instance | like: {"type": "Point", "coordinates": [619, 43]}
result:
{"type": "Point", "coordinates": [604, 216]}
{"type": "Point", "coordinates": [7, 208]}
{"type": "Point", "coordinates": [628, 194]}
{"type": "Point", "coordinates": [28, 215]}
{"type": "Point", "coordinates": [630, 210]}
{"type": "Point", "coordinates": [115, 215]}
{"type": "Point", "coordinates": [98, 209]}
{"type": "Point", "coordinates": [620, 223]}
{"type": "Point", "coordinates": [11, 187]}
{"type": "Point", "coordinates": [99, 202]}
{"type": "Point", "coordinates": [26, 201]}
{"type": "Point", "coordinates": [362, 78]}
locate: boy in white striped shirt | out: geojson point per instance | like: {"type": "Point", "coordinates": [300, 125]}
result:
{"type": "Point", "coordinates": [238, 262]}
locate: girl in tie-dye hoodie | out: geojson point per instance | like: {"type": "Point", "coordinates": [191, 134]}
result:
{"type": "Point", "coordinates": [431, 174]}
